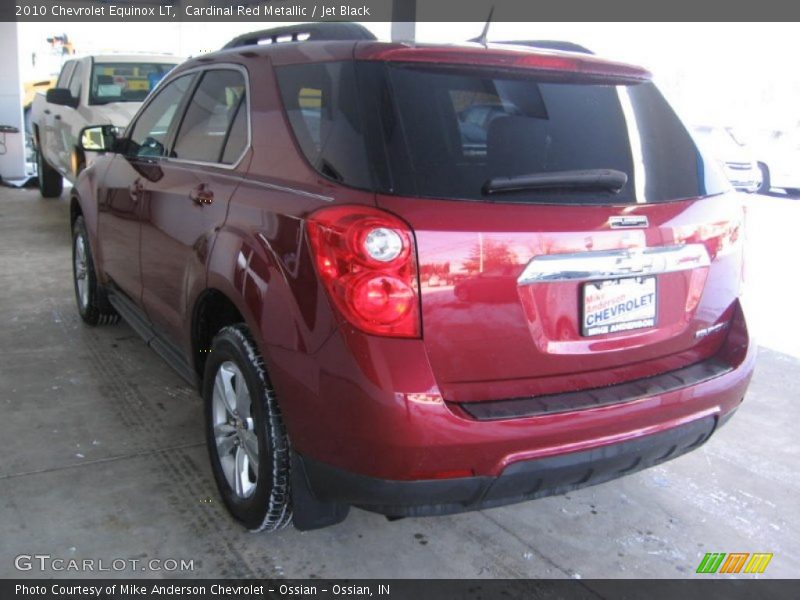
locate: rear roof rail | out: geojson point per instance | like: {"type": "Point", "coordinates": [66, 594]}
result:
{"type": "Point", "coordinates": [551, 45]}
{"type": "Point", "coordinates": [305, 32]}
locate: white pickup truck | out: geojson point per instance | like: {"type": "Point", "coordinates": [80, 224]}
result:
{"type": "Point", "coordinates": [93, 90]}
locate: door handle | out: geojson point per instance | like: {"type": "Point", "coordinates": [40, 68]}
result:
{"type": "Point", "coordinates": [202, 195]}
{"type": "Point", "coordinates": [136, 189]}
{"type": "Point", "coordinates": [47, 111]}
{"type": "Point", "coordinates": [57, 117]}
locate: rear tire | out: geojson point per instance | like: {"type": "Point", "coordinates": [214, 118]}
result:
{"type": "Point", "coordinates": [93, 304]}
{"type": "Point", "coordinates": [765, 182]}
{"type": "Point", "coordinates": [246, 439]}
{"type": "Point", "coordinates": [51, 184]}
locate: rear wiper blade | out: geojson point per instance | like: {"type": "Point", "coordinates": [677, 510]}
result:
{"type": "Point", "coordinates": [609, 180]}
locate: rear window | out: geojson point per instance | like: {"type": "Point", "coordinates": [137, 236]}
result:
{"type": "Point", "coordinates": [447, 132]}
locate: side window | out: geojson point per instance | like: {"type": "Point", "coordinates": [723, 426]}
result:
{"type": "Point", "coordinates": [76, 80]}
{"type": "Point", "coordinates": [237, 136]}
{"type": "Point", "coordinates": [149, 135]}
{"type": "Point", "coordinates": [66, 71]}
{"type": "Point", "coordinates": [321, 104]}
{"type": "Point", "coordinates": [209, 115]}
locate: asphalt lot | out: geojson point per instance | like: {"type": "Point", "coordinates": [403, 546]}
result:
{"type": "Point", "coordinates": [103, 454]}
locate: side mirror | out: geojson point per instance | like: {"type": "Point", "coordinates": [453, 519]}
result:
{"type": "Point", "coordinates": [99, 138]}
{"type": "Point", "coordinates": [61, 96]}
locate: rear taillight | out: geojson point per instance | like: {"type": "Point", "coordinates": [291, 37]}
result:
{"type": "Point", "coordinates": [366, 260]}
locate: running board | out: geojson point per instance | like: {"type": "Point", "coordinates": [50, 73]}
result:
{"type": "Point", "coordinates": [137, 319]}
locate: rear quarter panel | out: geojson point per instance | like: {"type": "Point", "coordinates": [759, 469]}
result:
{"type": "Point", "coordinates": [260, 258]}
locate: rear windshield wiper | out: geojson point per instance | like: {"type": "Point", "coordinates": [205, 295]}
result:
{"type": "Point", "coordinates": [609, 180]}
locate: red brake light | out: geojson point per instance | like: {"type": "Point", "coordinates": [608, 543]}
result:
{"type": "Point", "coordinates": [586, 66]}
{"type": "Point", "coordinates": [366, 260]}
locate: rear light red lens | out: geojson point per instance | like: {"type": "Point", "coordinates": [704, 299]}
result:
{"type": "Point", "coordinates": [365, 258]}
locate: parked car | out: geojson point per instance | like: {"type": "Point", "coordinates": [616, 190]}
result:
{"type": "Point", "coordinates": [779, 160]}
{"type": "Point", "coordinates": [269, 247]}
{"type": "Point", "coordinates": [737, 160]}
{"type": "Point", "coordinates": [92, 90]}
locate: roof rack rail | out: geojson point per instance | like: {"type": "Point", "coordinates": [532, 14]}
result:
{"type": "Point", "coordinates": [551, 45]}
{"type": "Point", "coordinates": [305, 32]}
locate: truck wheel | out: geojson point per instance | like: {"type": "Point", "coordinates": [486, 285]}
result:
{"type": "Point", "coordinates": [51, 184]}
{"type": "Point", "coordinates": [765, 183]}
{"type": "Point", "coordinates": [246, 439]}
{"type": "Point", "coordinates": [93, 305]}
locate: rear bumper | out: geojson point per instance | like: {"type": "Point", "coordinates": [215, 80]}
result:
{"type": "Point", "coordinates": [371, 407]}
{"type": "Point", "coordinates": [518, 482]}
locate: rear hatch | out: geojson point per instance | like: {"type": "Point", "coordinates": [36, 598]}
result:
{"type": "Point", "coordinates": [569, 233]}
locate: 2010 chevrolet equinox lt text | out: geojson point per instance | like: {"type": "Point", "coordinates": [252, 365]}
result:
{"type": "Point", "coordinates": [418, 279]}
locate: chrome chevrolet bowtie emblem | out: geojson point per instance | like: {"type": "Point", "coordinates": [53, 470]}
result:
{"type": "Point", "coordinates": [635, 261]}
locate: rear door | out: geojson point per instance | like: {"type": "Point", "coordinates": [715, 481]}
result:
{"type": "Point", "coordinates": [552, 288]}
{"type": "Point", "coordinates": [188, 203]}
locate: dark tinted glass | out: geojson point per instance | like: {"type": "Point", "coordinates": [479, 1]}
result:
{"type": "Point", "coordinates": [237, 136]}
{"type": "Point", "coordinates": [205, 125]}
{"type": "Point", "coordinates": [444, 132]}
{"type": "Point", "coordinates": [322, 105]}
{"type": "Point", "coordinates": [463, 129]}
{"type": "Point", "coordinates": [149, 135]}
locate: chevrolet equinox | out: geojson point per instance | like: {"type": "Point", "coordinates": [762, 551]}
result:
{"type": "Point", "coordinates": [418, 279]}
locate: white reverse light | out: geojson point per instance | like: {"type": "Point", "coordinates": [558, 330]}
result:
{"type": "Point", "coordinates": [383, 244]}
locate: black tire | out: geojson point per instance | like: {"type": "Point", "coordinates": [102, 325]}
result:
{"type": "Point", "coordinates": [92, 301]}
{"type": "Point", "coordinates": [268, 506]}
{"type": "Point", "coordinates": [51, 184]}
{"type": "Point", "coordinates": [765, 182]}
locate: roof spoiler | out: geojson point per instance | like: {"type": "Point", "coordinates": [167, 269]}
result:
{"type": "Point", "coordinates": [550, 45]}
{"type": "Point", "coordinates": [305, 32]}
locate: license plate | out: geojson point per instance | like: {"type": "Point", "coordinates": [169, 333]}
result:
{"type": "Point", "coordinates": [615, 305]}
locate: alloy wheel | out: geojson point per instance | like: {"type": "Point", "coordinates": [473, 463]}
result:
{"type": "Point", "coordinates": [234, 430]}
{"type": "Point", "coordinates": [81, 271]}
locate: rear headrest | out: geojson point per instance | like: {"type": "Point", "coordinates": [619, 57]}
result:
{"type": "Point", "coordinates": [517, 146]}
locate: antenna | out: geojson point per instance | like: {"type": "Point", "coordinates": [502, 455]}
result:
{"type": "Point", "coordinates": [482, 39]}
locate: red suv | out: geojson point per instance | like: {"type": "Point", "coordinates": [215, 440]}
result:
{"type": "Point", "coordinates": [418, 279]}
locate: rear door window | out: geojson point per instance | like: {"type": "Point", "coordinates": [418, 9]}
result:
{"type": "Point", "coordinates": [209, 116]}
{"type": "Point", "coordinates": [237, 135]}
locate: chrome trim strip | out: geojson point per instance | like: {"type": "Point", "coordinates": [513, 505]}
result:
{"type": "Point", "coordinates": [245, 177]}
{"type": "Point", "coordinates": [172, 76]}
{"type": "Point", "coordinates": [628, 221]}
{"type": "Point", "coordinates": [608, 264]}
